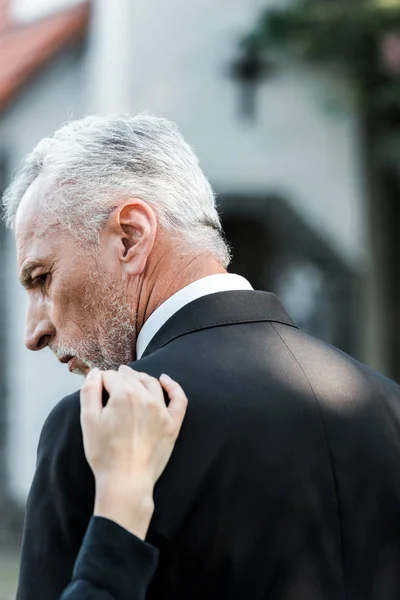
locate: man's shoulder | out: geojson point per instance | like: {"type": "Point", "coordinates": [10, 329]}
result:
{"type": "Point", "coordinates": [67, 409]}
{"type": "Point", "coordinates": [332, 373]}
{"type": "Point", "coordinates": [60, 451]}
{"type": "Point", "coordinates": [62, 421]}
{"type": "Point", "coordinates": [64, 417]}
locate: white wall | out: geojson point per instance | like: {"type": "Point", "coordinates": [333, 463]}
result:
{"type": "Point", "coordinates": [35, 380]}
{"type": "Point", "coordinates": [179, 53]}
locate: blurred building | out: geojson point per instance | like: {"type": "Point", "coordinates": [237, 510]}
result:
{"type": "Point", "coordinates": [283, 151]}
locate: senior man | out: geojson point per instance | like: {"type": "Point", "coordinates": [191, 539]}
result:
{"type": "Point", "coordinates": [284, 483]}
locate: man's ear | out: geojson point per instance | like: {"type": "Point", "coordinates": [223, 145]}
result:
{"type": "Point", "coordinates": [136, 227]}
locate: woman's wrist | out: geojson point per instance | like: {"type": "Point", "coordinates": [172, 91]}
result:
{"type": "Point", "coordinates": [130, 505]}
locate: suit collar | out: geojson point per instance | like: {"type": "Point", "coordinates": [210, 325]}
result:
{"type": "Point", "coordinates": [216, 310]}
{"type": "Point", "coordinates": [212, 284]}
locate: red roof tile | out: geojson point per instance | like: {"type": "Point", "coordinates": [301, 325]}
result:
{"type": "Point", "coordinates": [3, 14]}
{"type": "Point", "coordinates": [24, 49]}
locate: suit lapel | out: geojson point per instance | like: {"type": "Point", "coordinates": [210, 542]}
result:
{"type": "Point", "coordinates": [222, 308]}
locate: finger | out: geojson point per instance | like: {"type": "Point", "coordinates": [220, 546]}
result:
{"type": "Point", "coordinates": [91, 395]}
{"type": "Point", "coordinates": [178, 400]}
{"type": "Point", "coordinates": [120, 389]}
{"type": "Point", "coordinates": [151, 384]}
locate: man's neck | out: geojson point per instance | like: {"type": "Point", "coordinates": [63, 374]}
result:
{"type": "Point", "coordinates": [167, 279]}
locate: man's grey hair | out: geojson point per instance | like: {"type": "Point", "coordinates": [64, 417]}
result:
{"type": "Point", "coordinates": [88, 166]}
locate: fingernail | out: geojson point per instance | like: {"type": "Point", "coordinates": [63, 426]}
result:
{"type": "Point", "coordinates": [93, 373]}
{"type": "Point", "coordinates": [124, 368]}
{"type": "Point", "coordinates": [166, 378]}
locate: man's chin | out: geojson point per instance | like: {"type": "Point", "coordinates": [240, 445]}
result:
{"type": "Point", "coordinates": [78, 367]}
{"type": "Point", "coordinates": [81, 372]}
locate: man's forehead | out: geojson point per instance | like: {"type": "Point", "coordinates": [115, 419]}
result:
{"type": "Point", "coordinates": [31, 230]}
{"type": "Point", "coordinates": [29, 208]}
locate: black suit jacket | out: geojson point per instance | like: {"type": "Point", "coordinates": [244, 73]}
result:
{"type": "Point", "coordinates": [112, 564]}
{"type": "Point", "coordinates": [285, 480]}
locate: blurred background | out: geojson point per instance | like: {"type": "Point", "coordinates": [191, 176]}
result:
{"type": "Point", "coordinates": [294, 111]}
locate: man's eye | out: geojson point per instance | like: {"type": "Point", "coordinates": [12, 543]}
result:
{"type": "Point", "coordinates": [40, 279]}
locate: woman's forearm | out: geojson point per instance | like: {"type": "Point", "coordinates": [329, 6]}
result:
{"type": "Point", "coordinates": [130, 505]}
{"type": "Point", "coordinates": [112, 563]}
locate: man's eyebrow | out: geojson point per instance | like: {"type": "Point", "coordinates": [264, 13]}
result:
{"type": "Point", "coordinates": [26, 272]}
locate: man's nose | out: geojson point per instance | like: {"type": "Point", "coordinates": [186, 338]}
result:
{"type": "Point", "coordinates": [39, 335]}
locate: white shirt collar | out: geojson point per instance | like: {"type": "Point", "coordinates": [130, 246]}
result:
{"type": "Point", "coordinates": [223, 282]}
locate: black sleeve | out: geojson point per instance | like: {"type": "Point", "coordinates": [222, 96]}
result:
{"type": "Point", "coordinates": [59, 506]}
{"type": "Point", "coordinates": [112, 565]}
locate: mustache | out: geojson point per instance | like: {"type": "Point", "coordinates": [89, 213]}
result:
{"type": "Point", "coordinates": [61, 351]}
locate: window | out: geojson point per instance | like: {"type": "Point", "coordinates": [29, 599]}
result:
{"type": "Point", "coordinates": [279, 252]}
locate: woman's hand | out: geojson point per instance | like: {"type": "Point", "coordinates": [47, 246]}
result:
{"type": "Point", "coordinates": [128, 442]}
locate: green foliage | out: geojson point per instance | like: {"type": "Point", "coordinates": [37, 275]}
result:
{"type": "Point", "coordinates": [361, 38]}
